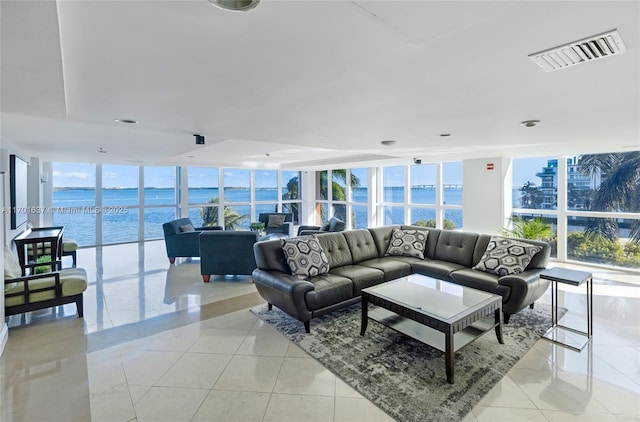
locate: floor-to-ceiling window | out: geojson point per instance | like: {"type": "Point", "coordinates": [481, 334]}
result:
{"type": "Point", "coordinates": [74, 201]}
{"type": "Point", "coordinates": [452, 191]}
{"type": "Point", "coordinates": [291, 187]}
{"type": "Point", "coordinates": [393, 195]}
{"type": "Point", "coordinates": [237, 198]}
{"type": "Point", "coordinates": [120, 203]}
{"type": "Point", "coordinates": [160, 200]}
{"type": "Point", "coordinates": [203, 195]}
{"type": "Point", "coordinates": [535, 199]}
{"type": "Point", "coordinates": [422, 195]}
{"type": "Point", "coordinates": [359, 198]}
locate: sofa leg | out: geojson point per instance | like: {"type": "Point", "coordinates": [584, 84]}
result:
{"type": "Point", "coordinates": [506, 318]}
{"type": "Point", "coordinates": [172, 259]}
{"type": "Point", "coordinates": [307, 326]}
{"type": "Point", "coordinates": [269, 306]}
{"type": "Point", "coordinates": [531, 306]}
{"type": "Point", "coordinates": [206, 277]}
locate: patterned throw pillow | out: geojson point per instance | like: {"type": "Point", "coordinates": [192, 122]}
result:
{"type": "Point", "coordinates": [506, 256]}
{"type": "Point", "coordinates": [187, 228]}
{"type": "Point", "coordinates": [407, 243]}
{"type": "Point", "coordinates": [305, 256]}
{"type": "Point", "coordinates": [275, 221]}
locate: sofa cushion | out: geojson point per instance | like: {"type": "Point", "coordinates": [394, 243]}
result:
{"type": "Point", "coordinates": [407, 243]}
{"type": "Point", "coordinates": [336, 248]}
{"type": "Point", "coordinates": [456, 247]}
{"type": "Point", "coordinates": [361, 245]}
{"type": "Point", "coordinates": [391, 267]}
{"type": "Point", "coordinates": [361, 276]}
{"type": "Point", "coordinates": [506, 256]}
{"type": "Point", "coordinates": [480, 280]}
{"type": "Point", "coordinates": [187, 228]}
{"type": "Point", "coordinates": [275, 220]}
{"type": "Point", "coordinates": [305, 256]}
{"type": "Point", "coordinates": [435, 268]}
{"type": "Point", "coordinates": [382, 236]}
{"type": "Point", "coordinates": [329, 289]}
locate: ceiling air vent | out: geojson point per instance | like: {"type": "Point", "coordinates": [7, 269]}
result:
{"type": "Point", "coordinates": [581, 51]}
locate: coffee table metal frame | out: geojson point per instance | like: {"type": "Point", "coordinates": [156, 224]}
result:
{"type": "Point", "coordinates": [573, 278]}
{"type": "Point", "coordinates": [459, 330]}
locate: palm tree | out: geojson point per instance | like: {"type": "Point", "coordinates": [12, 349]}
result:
{"type": "Point", "coordinates": [537, 228]}
{"type": "Point", "coordinates": [337, 191]}
{"type": "Point", "coordinates": [618, 191]}
{"type": "Point", "coordinates": [531, 197]}
{"type": "Point", "coordinates": [209, 215]}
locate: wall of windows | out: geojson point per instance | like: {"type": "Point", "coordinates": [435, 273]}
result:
{"type": "Point", "coordinates": [105, 204]}
{"type": "Point", "coordinates": [343, 194]}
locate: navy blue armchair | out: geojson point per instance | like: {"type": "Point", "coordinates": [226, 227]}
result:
{"type": "Point", "coordinates": [227, 252]}
{"type": "Point", "coordinates": [181, 238]}
{"type": "Point", "coordinates": [277, 222]}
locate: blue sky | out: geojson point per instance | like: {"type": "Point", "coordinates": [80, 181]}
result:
{"type": "Point", "coordinates": [120, 176]}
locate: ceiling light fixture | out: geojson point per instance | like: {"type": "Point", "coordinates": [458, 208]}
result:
{"type": "Point", "coordinates": [127, 121]}
{"type": "Point", "coordinates": [388, 143]}
{"type": "Point", "coordinates": [530, 123]}
{"type": "Point", "coordinates": [102, 151]}
{"type": "Point", "coordinates": [444, 135]}
{"type": "Point", "coordinates": [235, 5]}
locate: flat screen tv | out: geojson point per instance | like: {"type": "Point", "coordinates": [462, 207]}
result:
{"type": "Point", "coordinates": [18, 180]}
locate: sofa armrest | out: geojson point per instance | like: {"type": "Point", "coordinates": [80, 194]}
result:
{"type": "Point", "coordinates": [284, 291]}
{"type": "Point", "coordinates": [526, 286]}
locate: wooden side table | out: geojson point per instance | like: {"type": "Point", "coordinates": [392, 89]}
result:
{"type": "Point", "coordinates": [51, 236]}
{"type": "Point", "coordinates": [557, 331]}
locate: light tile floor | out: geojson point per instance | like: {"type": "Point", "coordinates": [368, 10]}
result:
{"type": "Point", "coordinates": [158, 344]}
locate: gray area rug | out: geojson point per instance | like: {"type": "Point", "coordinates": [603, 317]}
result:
{"type": "Point", "coordinates": [404, 377]}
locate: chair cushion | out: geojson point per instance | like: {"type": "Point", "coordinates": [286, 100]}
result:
{"type": "Point", "coordinates": [407, 243]}
{"type": "Point", "coordinates": [73, 281]}
{"type": "Point", "coordinates": [187, 228]}
{"type": "Point", "coordinates": [506, 256]}
{"type": "Point", "coordinates": [12, 268]}
{"type": "Point", "coordinates": [69, 245]}
{"type": "Point", "coordinates": [305, 256]}
{"type": "Point", "coordinates": [276, 220]}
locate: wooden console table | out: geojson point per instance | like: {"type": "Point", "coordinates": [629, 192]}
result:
{"type": "Point", "coordinates": [45, 236]}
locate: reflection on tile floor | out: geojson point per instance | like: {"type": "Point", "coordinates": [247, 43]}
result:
{"type": "Point", "coordinates": [158, 344]}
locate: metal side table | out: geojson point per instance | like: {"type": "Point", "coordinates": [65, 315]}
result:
{"type": "Point", "coordinates": [559, 333]}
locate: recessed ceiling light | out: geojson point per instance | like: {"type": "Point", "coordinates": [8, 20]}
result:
{"type": "Point", "coordinates": [388, 143]}
{"type": "Point", "coordinates": [235, 5]}
{"type": "Point", "coordinates": [127, 121]}
{"type": "Point", "coordinates": [102, 151]}
{"type": "Point", "coordinates": [530, 123]}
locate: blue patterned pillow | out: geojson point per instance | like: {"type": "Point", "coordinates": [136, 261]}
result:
{"type": "Point", "coordinates": [305, 256]}
{"type": "Point", "coordinates": [506, 256]}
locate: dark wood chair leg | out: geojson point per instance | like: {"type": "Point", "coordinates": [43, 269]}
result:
{"type": "Point", "coordinates": [172, 259]}
{"type": "Point", "coordinates": [206, 277]}
{"type": "Point", "coordinates": [74, 257]}
{"type": "Point", "coordinates": [80, 306]}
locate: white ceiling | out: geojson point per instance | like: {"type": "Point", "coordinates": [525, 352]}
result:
{"type": "Point", "coordinates": [312, 83]}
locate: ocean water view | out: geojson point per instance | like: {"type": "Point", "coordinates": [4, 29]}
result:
{"type": "Point", "coordinates": [75, 208]}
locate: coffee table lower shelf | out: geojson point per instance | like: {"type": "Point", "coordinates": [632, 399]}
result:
{"type": "Point", "coordinates": [428, 335]}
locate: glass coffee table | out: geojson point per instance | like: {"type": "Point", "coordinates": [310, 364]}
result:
{"type": "Point", "coordinates": [444, 315]}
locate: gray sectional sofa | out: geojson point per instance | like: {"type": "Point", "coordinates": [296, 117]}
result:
{"type": "Point", "coordinates": [357, 260]}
